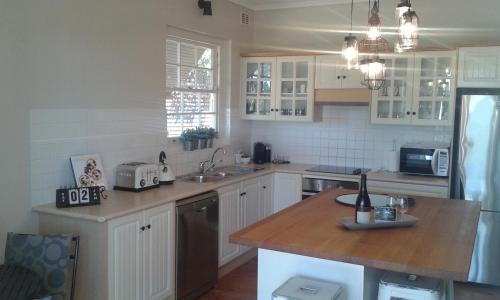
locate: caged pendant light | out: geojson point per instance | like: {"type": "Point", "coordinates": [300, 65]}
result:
{"type": "Point", "coordinates": [408, 30]}
{"type": "Point", "coordinates": [350, 49]}
{"type": "Point", "coordinates": [373, 70]}
{"type": "Point", "coordinates": [374, 31]}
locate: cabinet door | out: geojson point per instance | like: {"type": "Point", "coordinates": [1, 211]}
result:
{"type": "Point", "coordinates": [351, 79]}
{"type": "Point", "coordinates": [434, 88]}
{"type": "Point", "coordinates": [295, 94]}
{"type": "Point", "coordinates": [249, 198]}
{"type": "Point", "coordinates": [257, 88]}
{"type": "Point", "coordinates": [229, 222]}
{"type": "Point", "coordinates": [159, 252]}
{"type": "Point", "coordinates": [287, 190]}
{"type": "Point", "coordinates": [266, 186]}
{"type": "Point", "coordinates": [392, 103]}
{"type": "Point", "coordinates": [125, 257]}
{"type": "Point", "coordinates": [479, 67]}
{"type": "Point", "coordinates": [328, 75]}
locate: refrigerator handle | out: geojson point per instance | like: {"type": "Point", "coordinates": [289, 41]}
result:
{"type": "Point", "coordinates": [434, 162]}
{"type": "Point", "coordinates": [461, 186]}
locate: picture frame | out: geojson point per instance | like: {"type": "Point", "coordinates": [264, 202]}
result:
{"type": "Point", "coordinates": [88, 171]}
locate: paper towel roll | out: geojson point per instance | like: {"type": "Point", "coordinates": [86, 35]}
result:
{"type": "Point", "coordinates": [392, 161]}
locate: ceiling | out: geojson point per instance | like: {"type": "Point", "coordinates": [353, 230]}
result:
{"type": "Point", "coordinates": [277, 4]}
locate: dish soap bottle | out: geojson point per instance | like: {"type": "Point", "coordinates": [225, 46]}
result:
{"type": "Point", "coordinates": [363, 204]}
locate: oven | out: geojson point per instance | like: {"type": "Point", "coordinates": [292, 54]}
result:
{"type": "Point", "coordinates": [311, 185]}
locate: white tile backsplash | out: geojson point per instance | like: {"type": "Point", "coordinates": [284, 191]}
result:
{"type": "Point", "coordinates": [118, 135]}
{"type": "Point", "coordinates": [344, 137]}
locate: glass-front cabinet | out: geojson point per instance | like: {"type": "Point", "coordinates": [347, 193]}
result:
{"type": "Point", "coordinates": [434, 92]}
{"type": "Point", "coordinates": [391, 104]}
{"type": "Point", "coordinates": [258, 87]}
{"type": "Point", "coordinates": [419, 90]}
{"type": "Point", "coordinates": [295, 96]}
{"type": "Point", "coordinates": [278, 88]}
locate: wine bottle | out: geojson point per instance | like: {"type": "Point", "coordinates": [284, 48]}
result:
{"type": "Point", "coordinates": [363, 204]}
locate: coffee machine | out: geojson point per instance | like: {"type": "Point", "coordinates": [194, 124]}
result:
{"type": "Point", "coordinates": [261, 153]}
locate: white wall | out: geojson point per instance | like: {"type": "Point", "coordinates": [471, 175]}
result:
{"type": "Point", "coordinates": [344, 137]}
{"type": "Point", "coordinates": [73, 59]}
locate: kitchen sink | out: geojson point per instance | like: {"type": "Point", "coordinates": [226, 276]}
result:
{"type": "Point", "coordinates": [220, 174]}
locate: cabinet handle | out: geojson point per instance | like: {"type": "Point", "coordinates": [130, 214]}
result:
{"type": "Point", "coordinates": [243, 194]}
{"type": "Point", "coordinates": [408, 113]}
{"type": "Point", "coordinates": [414, 113]}
{"type": "Point", "coordinates": [338, 77]}
{"type": "Point", "coordinates": [272, 109]}
{"type": "Point", "coordinates": [264, 187]}
{"type": "Point", "coordinates": [344, 77]}
{"type": "Point", "coordinates": [143, 228]}
{"type": "Point", "coordinates": [149, 226]}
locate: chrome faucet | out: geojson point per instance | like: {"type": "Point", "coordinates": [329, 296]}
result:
{"type": "Point", "coordinates": [203, 165]}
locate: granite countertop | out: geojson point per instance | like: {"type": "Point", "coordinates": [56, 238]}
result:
{"type": "Point", "coordinates": [310, 228]}
{"type": "Point", "coordinates": [120, 203]}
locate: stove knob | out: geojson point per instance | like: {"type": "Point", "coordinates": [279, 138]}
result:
{"type": "Point", "coordinates": [155, 180]}
{"type": "Point", "coordinates": [142, 182]}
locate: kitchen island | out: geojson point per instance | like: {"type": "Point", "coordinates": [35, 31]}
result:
{"type": "Point", "coordinates": [306, 239]}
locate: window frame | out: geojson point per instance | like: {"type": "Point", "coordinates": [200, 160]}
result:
{"type": "Point", "coordinates": [220, 69]}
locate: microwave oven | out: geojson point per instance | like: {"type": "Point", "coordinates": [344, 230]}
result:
{"type": "Point", "coordinates": [422, 159]}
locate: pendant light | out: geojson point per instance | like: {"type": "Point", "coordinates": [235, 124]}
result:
{"type": "Point", "coordinates": [350, 49]}
{"type": "Point", "coordinates": [408, 30]}
{"type": "Point", "coordinates": [372, 66]}
{"type": "Point", "coordinates": [374, 31]}
{"type": "Point", "coordinates": [401, 8]}
{"type": "Point", "coordinates": [373, 70]}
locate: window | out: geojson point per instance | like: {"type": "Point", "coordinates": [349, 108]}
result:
{"type": "Point", "coordinates": [192, 84]}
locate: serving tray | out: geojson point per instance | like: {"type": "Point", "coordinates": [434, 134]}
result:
{"type": "Point", "coordinates": [403, 220]}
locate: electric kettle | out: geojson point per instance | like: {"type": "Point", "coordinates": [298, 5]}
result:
{"type": "Point", "coordinates": [166, 174]}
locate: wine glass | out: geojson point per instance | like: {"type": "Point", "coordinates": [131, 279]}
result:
{"type": "Point", "coordinates": [403, 203]}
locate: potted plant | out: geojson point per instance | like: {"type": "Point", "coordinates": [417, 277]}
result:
{"type": "Point", "coordinates": [189, 139]}
{"type": "Point", "coordinates": [202, 134]}
{"type": "Point", "coordinates": [212, 134]}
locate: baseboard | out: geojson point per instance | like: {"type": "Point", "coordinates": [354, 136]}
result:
{"type": "Point", "coordinates": [237, 262]}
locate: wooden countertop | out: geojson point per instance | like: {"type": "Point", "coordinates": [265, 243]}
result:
{"type": "Point", "coordinates": [440, 245]}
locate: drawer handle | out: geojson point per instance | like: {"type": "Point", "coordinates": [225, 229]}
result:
{"type": "Point", "coordinates": [143, 228]}
{"type": "Point", "coordinates": [243, 194]}
{"type": "Point", "coordinates": [149, 226]}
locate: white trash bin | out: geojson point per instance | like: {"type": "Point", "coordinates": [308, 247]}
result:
{"type": "Point", "coordinates": [304, 288]}
{"type": "Point", "coordinates": [403, 286]}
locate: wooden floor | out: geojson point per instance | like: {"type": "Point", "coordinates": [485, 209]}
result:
{"type": "Point", "coordinates": [241, 284]}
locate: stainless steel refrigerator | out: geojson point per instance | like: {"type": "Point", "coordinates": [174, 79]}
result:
{"type": "Point", "coordinates": [476, 174]}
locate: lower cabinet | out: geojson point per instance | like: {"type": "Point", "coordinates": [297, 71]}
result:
{"type": "Point", "coordinates": [287, 190]}
{"type": "Point", "coordinates": [396, 188]}
{"type": "Point", "coordinates": [241, 205]}
{"type": "Point", "coordinates": [141, 254]}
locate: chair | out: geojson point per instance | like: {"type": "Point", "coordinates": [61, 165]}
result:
{"type": "Point", "coordinates": [47, 255]}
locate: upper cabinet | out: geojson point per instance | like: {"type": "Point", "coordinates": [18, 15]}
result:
{"type": "Point", "coordinates": [278, 88]}
{"type": "Point", "coordinates": [392, 103]}
{"type": "Point", "coordinates": [479, 67]}
{"type": "Point", "coordinates": [331, 73]}
{"type": "Point", "coordinates": [434, 88]}
{"type": "Point", "coordinates": [420, 90]}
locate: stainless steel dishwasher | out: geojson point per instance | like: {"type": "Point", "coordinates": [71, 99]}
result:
{"type": "Point", "coordinates": [197, 248]}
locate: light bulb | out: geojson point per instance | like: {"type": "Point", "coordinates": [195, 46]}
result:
{"type": "Point", "coordinates": [374, 33]}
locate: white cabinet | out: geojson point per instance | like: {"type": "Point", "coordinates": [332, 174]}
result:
{"type": "Point", "coordinates": [279, 88]}
{"type": "Point", "coordinates": [479, 67]}
{"type": "Point", "coordinates": [396, 188]}
{"type": "Point", "coordinates": [266, 185]}
{"type": "Point", "coordinates": [287, 190]}
{"type": "Point", "coordinates": [229, 222]}
{"type": "Point", "coordinates": [159, 244]}
{"type": "Point", "coordinates": [249, 198]}
{"type": "Point", "coordinates": [258, 84]}
{"type": "Point", "coordinates": [331, 73]}
{"type": "Point", "coordinates": [392, 103]}
{"type": "Point", "coordinates": [419, 90]}
{"type": "Point", "coordinates": [140, 254]}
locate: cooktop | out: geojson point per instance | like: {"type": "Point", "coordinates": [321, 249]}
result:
{"type": "Point", "coordinates": [338, 170]}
